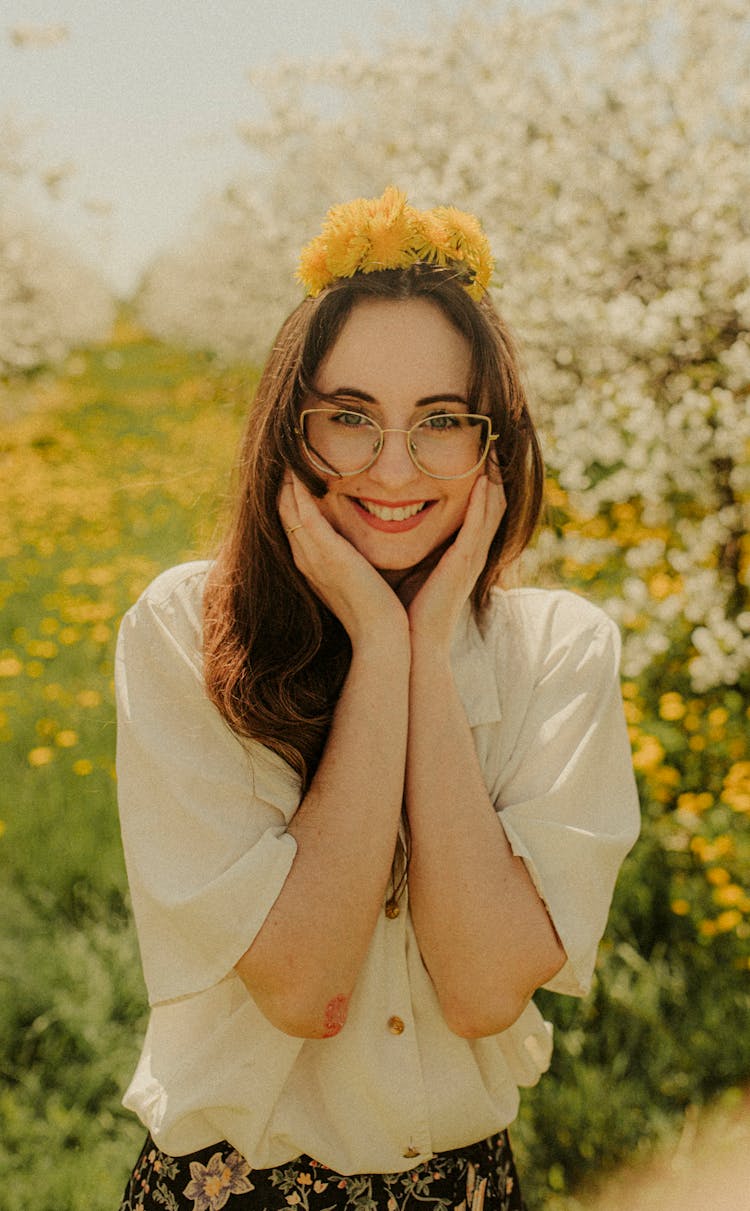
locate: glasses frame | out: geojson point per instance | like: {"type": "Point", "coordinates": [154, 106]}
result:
{"type": "Point", "coordinates": [490, 438]}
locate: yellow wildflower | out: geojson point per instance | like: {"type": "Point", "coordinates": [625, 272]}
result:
{"type": "Point", "coordinates": [66, 739]}
{"type": "Point", "coordinates": [649, 754]}
{"type": "Point", "coordinates": [83, 767]}
{"type": "Point", "coordinates": [728, 920]}
{"type": "Point", "coordinates": [718, 876]}
{"type": "Point", "coordinates": [671, 707]}
{"type": "Point", "coordinates": [10, 666]}
{"type": "Point", "coordinates": [40, 756]}
{"type": "Point", "coordinates": [730, 896]}
{"type": "Point", "coordinates": [313, 267]}
{"type": "Point", "coordinates": [680, 907]}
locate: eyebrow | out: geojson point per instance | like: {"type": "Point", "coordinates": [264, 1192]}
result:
{"type": "Point", "coordinates": [442, 397]}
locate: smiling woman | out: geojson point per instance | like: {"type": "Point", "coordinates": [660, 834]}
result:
{"type": "Point", "coordinates": [417, 811]}
{"type": "Point", "coordinates": [411, 367]}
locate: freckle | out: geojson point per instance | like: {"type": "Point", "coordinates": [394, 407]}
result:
{"type": "Point", "coordinates": [335, 1016]}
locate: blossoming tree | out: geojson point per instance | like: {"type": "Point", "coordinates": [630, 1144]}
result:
{"type": "Point", "coordinates": [605, 148]}
{"type": "Point", "coordinates": [49, 301]}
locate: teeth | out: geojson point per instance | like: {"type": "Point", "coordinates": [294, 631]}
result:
{"type": "Point", "coordinates": [387, 514]}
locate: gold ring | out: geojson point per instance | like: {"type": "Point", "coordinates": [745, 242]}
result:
{"type": "Point", "coordinates": [293, 528]}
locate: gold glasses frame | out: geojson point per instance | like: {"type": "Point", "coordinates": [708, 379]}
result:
{"type": "Point", "coordinates": [379, 444]}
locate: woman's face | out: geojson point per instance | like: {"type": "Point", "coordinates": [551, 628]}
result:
{"type": "Point", "coordinates": [396, 361]}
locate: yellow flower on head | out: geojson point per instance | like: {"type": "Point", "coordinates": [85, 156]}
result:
{"type": "Point", "coordinates": [369, 234]}
{"type": "Point", "coordinates": [433, 243]}
{"type": "Point", "coordinates": [313, 269]}
{"type": "Point", "coordinates": [391, 238]}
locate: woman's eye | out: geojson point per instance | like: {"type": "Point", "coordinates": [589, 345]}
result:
{"type": "Point", "coordinates": [440, 421]}
{"type": "Point", "coordinates": [353, 420]}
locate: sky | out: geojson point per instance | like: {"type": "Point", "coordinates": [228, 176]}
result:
{"type": "Point", "coordinates": [141, 100]}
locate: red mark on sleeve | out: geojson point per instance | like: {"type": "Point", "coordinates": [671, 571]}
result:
{"type": "Point", "coordinates": [335, 1016]}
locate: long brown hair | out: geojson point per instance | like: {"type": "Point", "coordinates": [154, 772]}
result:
{"type": "Point", "coordinates": [275, 656]}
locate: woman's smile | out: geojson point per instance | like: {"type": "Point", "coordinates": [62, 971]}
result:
{"type": "Point", "coordinates": [392, 517]}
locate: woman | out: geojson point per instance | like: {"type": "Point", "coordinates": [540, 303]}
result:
{"type": "Point", "coordinates": [370, 803]}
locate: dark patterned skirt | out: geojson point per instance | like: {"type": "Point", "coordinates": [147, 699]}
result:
{"type": "Point", "coordinates": [481, 1177]}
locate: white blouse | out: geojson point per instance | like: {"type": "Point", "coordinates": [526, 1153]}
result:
{"type": "Point", "coordinates": [204, 819]}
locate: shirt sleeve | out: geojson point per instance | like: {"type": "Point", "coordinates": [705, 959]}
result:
{"type": "Point", "coordinates": [568, 800]}
{"type": "Point", "coordinates": [203, 814]}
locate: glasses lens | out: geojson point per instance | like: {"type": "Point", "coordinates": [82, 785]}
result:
{"type": "Point", "coordinates": [341, 441]}
{"type": "Point", "coordinates": [450, 445]}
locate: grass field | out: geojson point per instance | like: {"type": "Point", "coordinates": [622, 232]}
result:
{"type": "Point", "coordinates": [116, 468]}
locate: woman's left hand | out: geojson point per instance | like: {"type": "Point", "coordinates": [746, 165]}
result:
{"type": "Point", "coordinates": [435, 608]}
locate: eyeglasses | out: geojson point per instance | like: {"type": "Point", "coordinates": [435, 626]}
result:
{"type": "Point", "coordinates": [446, 445]}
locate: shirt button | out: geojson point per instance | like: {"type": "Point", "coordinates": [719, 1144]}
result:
{"type": "Point", "coordinates": [396, 1026]}
{"type": "Point", "coordinates": [410, 1152]}
{"type": "Point", "coordinates": [392, 910]}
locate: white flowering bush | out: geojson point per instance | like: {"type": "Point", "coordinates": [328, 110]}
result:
{"type": "Point", "coordinates": [605, 149]}
{"type": "Point", "coordinates": [49, 301]}
{"type": "Point", "coordinates": [226, 289]}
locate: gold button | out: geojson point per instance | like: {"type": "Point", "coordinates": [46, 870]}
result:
{"type": "Point", "coordinates": [392, 910]}
{"type": "Point", "coordinates": [396, 1026]}
{"type": "Point", "coordinates": [410, 1152]}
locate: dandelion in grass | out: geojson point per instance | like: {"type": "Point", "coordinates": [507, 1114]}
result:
{"type": "Point", "coordinates": [40, 756]}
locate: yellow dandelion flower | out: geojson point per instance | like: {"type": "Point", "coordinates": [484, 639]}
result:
{"type": "Point", "coordinates": [431, 238]}
{"type": "Point", "coordinates": [649, 755]}
{"type": "Point", "coordinates": [633, 713]}
{"type": "Point", "coordinates": [718, 876]}
{"type": "Point", "coordinates": [707, 929]}
{"type": "Point", "coordinates": [726, 921]}
{"type": "Point", "coordinates": [391, 237]}
{"type": "Point", "coordinates": [89, 698]}
{"type": "Point", "coordinates": [729, 896]}
{"type": "Point", "coordinates": [10, 666]}
{"type": "Point", "coordinates": [83, 767]}
{"type": "Point", "coordinates": [671, 707]}
{"type": "Point", "coordinates": [34, 668]}
{"type": "Point", "coordinates": [312, 270]}
{"type": "Point", "coordinates": [66, 739]}
{"type": "Point", "coordinates": [680, 908]}
{"type": "Point", "coordinates": [40, 756]}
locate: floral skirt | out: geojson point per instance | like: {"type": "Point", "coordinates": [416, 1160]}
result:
{"type": "Point", "coordinates": [482, 1176]}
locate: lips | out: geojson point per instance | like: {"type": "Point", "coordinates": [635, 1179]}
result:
{"type": "Point", "coordinates": [391, 518]}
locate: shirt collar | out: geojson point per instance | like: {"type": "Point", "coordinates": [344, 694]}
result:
{"type": "Point", "coordinates": [473, 663]}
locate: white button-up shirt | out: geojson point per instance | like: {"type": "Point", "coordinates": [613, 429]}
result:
{"type": "Point", "coordinates": [204, 822]}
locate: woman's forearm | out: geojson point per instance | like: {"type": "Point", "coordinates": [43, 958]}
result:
{"type": "Point", "coordinates": [302, 966]}
{"type": "Point", "coordinates": [483, 931]}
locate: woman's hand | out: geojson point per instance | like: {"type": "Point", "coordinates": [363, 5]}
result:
{"type": "Point", "coordinates": [357, 594]}
{"type": "Point", "coordinates": [435, 608]}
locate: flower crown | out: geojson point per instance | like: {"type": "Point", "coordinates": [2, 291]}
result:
{"type": "Point", "coordinates": [368, 234]}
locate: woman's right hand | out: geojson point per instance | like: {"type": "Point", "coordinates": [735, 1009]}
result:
{"type": "Point", "coordinates": [350, 586]}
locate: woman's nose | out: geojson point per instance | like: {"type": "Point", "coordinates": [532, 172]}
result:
{"type": "Point", "coordinates": [393, 466]}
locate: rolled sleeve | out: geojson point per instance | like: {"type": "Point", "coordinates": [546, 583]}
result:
{"type": "Point", "coordinates": [203, 815]}
{"type": "Point", "coordinates": [568, 802]}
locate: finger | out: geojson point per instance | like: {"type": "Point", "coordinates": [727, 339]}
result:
{"type": "Point", "coordinates": [496, 503]}
{"type": "Point", "coordinates": [287, 506]}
